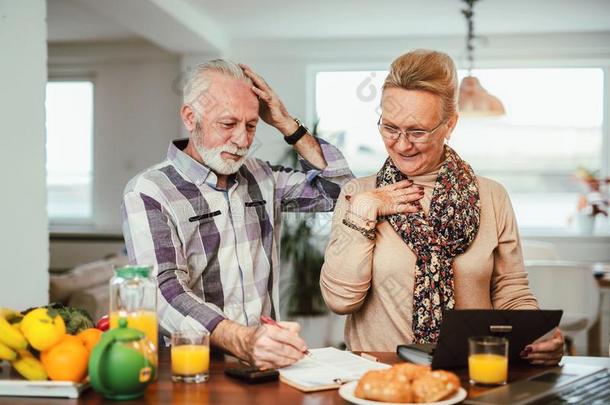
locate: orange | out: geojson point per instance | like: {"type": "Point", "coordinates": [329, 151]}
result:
{"type": "Point", "coordinates": [71, 339]}
{"type": "Point", "coordinates": [90, 337]}
{"type": "Point", "coordinates": [66, 361]}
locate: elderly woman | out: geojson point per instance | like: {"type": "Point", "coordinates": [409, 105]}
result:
{"type": "Point", "coordinates": [425, 233]}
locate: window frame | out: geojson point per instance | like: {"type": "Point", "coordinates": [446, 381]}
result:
{"type": "Point", "coordinates": [74, 222]}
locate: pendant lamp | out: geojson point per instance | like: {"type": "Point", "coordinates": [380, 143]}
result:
{"type": "Point", "coordinates": [473, 99]}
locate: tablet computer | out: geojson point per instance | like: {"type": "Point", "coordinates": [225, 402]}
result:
{"type": "Point", "coordinates": [520, 327]}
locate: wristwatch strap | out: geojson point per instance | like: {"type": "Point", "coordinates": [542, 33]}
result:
{"type": "Point", "coordinates": [298, 134]}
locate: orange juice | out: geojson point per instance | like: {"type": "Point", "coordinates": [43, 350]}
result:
{"type": "Point", "coordinates": [190, 359]}
{"type": "Point", "coordinates": [145, 321]}
{"type": "Point", "coordinates": [488, 368]}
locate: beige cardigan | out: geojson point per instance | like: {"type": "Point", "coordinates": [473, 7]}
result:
{"type": "Point", "coordinates": [372, 281]}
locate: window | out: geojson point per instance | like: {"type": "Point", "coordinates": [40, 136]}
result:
{"type": "Point", "coordinates": [553, 126]}
{"type": "Point", "coordinates": [69, 112]}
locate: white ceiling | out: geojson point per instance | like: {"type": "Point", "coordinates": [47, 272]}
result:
{"type": "Point", "coordinates": [368, 18]}
{"type": "Point", "coordinates": [70, 20]}
{"type": "Point", "coordinates": [84, 20]}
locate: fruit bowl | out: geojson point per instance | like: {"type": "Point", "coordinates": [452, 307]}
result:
{"type": "Point", "coordinates": [11, 384]}
{"type": "Point", "coordinates": [36, 346]}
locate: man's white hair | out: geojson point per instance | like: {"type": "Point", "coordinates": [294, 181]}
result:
{"type": "Point", "coordinates": [198, 80]}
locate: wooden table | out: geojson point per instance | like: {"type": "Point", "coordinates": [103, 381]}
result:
{"type": "Point", "coordinates": [224, 390]}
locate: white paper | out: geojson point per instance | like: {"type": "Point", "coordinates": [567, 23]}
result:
{"type": "Point", "coordinates": [327, 366]}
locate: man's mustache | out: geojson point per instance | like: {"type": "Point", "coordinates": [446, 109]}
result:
{"type": "Point", "coordinates": [234, 150]}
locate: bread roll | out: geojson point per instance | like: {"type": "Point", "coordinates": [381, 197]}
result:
{"type": "Point", "coordinates": [412, 371]}
{"type": "Point", "coordinates": [437, 385]}
{"type": "Point", "coordinates": [407, 382]}
{"type": "Point", "coordinates": [385, 386]}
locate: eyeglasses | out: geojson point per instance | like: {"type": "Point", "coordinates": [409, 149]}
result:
{"type": "Point", "coordinates": [414, 136]}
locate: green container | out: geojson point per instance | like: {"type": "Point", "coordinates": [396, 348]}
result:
{"type": "Point", "coordinates": [122, 363]}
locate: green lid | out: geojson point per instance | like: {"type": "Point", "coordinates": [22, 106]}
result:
{"type": "Point", "coordinates": [123, 333]}
{"type": "Point", "coordinates": [133, 271]}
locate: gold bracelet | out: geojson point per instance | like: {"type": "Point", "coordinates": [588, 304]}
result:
{"type": "Point", "coordinates": [368, 233]}
{"type": "Point", "coordinates": [367, 221]}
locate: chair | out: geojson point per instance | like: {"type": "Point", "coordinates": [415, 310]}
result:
{"type": "Point", "coordinates": [538, 250]}
{"type": "Point", "coordinates": [569, 286]}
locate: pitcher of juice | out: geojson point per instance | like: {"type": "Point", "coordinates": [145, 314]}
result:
{"type": "Point", "coordinates": [133, 296]}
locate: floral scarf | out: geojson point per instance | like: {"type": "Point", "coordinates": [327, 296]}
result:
{"type": "Point", "coordinates": [437, 238]}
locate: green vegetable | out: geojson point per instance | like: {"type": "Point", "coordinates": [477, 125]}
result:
{"type": "Point", "coordinates": [76, 319]}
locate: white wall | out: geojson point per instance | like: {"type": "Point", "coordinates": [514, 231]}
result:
{"type": "Point", "coordinates": [135, 113]}
{"type": "Point", "coordinates": [23, 75]}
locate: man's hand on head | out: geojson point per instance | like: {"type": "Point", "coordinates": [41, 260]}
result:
{"type": "Point", "coordinates": [272, 111]}
{"type": "Point", "coordinates": [271, 108]}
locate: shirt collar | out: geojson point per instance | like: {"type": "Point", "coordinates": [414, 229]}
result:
{"type": "Point", "coordinates": [195, 171]}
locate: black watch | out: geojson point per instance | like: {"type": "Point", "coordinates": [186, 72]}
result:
{"type": "Point", "coordinates": [298, 134]}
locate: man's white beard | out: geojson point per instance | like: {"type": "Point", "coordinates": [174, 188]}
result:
{"type": "Point", "coordinates": [212, 159]}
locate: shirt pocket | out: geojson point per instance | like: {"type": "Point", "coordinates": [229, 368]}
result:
{"type": "Point", "coordinates": [199, 227]}
{"type": "Point", "coordinates": [205, 217]}
{"type": "Point", "coordinates": [256, 211]}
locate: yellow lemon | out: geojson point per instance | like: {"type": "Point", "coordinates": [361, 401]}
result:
{"type": "Point", "coordinates": [43, 328]}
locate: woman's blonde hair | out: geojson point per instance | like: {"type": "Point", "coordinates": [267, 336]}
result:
{"type": "Point", "coordinates": [427, 70]}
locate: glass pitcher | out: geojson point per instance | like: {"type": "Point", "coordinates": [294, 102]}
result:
{"type": "Point", "coordinates": [133, 296]}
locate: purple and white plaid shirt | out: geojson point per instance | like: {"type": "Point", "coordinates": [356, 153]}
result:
{"type": "Point", "coordinates": [216, 252]}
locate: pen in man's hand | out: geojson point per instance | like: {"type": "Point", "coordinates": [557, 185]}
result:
{"type": "Point", "coordinates": [269, 321]}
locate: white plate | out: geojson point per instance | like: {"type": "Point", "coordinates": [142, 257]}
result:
{"type": "Point", "coordinates": [24, 388]}
{"type": "Point", "coordinates": [347, 392]}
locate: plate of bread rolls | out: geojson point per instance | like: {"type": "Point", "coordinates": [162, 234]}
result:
{"type": "Point", "coordinates": [405, 383]}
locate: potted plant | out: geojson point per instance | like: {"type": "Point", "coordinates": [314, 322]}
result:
{"type": "Point", "coordinates": [593, 203]}
{"type": "Point", "coordinates": [305, 258]}
{"type": "Point", "coordinates": [303, 240]}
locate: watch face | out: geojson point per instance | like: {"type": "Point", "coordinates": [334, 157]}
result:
{"type": "Point", "coordinates": [300, 124]}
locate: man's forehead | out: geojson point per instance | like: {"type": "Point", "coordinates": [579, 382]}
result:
{"type": "Point", "coordinates": [226, 92]}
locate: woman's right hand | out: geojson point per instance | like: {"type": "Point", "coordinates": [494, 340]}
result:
{"type": "Point", "coordinates": [398, 198]}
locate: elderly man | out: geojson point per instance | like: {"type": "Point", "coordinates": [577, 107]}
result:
{"type": "Point", "coordinates": [208, 217]}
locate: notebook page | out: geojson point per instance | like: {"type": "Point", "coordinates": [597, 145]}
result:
{"type": "Point", "coordinates": [328, 364]}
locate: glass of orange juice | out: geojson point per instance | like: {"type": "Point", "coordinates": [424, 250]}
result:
{"type": "Point", "coordinates": [190, 356]}
{"type": "Point", "coordinates": [488, 360]}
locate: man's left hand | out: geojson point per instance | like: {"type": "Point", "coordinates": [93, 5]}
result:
{"type": "Point", "coordinates": [271, 109]}
{"type": "Point", "coordinates": [547, 352]}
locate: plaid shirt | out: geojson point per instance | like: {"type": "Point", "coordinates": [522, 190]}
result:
{"type": "Point", "coordinates": [216, 252]}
